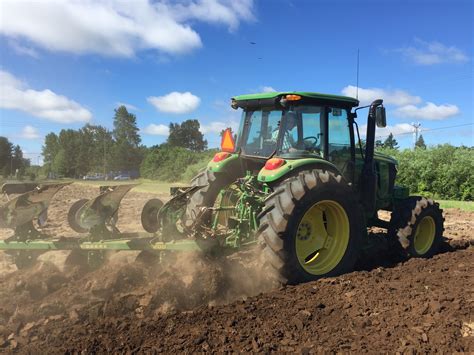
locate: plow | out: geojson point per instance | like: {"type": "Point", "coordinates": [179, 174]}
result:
{"type": "Point", "coordinates": [295, 182]}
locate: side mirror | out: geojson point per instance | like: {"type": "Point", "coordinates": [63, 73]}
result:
{"type": "Point", "coordinates": [380, 118]}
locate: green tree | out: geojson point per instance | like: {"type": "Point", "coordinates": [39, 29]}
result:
{"type": "Point", "coordinates": [127, 154]}
{"type": "Point", "coordinates": [12, 161]}
{"type": "Point", "coordinates": [187, 135]}
{"type": "Point", "coordinates": [390, 142]}
{"type": "Point", "coordinates": [96, 149]}
{"type": "Point", "coordinates": [378, 144]}
{"type": "Point", "coordinates": [6, 153]}
{"type": "Point", "coordinates": [49, 150]}
{"type": "Point", "coordinates": [420, 143]}
{"type": "Point", "coordinates": [61, 164]}
{"type": "Point", "coordinates": [19, 162]}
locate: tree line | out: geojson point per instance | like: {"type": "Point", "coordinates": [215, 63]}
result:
{"type": "Point", "coordinates": [95, 149]}
{"type": "Point", "coordinates": [442, 171]}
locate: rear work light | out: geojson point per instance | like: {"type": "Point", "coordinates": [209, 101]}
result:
{"type": "Point", "coordinates": [220, 156]}
{"type": "Point", "coordinates": [274, 163]}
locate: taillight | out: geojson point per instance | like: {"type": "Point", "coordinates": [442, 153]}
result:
{"type": "Point", "coordinates": [274, 163]}
{"type": "Point", "coordinates": [220, 156]}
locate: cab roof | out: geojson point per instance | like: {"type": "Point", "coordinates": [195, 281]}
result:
{"type": "Point", "coordinates": [308, 95]}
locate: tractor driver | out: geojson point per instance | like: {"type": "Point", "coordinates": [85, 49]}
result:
{"type": "Point", "coordinates": [289, 131]}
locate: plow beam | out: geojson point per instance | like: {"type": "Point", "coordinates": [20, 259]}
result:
{"type": "Point", "coordinates": [29, 205]}
{"type": "Point", "coordinates": [99, 211]}
{"type": "Point", "coordinates": [133, 243]}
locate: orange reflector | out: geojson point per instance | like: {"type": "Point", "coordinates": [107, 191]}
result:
{"type": "Point", "coordinates": [274, 163]}
{"type": "Point", "coordinates": [227, 142]}
{"type": "Point", "coordinates": [293, 97]}
{"type": "Point", "coordinates": [220, 156]}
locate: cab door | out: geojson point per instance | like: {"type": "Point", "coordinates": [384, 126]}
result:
{"type": "Point", "coordinates": [339, 148]}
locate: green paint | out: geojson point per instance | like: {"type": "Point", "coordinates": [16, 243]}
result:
{"type": "Point", "coordinates": [113, 244]}
{"type": "Point", "coordinates": [309, 95]}
{"type": "Point", "coordinates": [271, 175]}
{"type": "Point", "coordinates": [223, 164]}
{"type": "Point", "coordinates": [385, 157]}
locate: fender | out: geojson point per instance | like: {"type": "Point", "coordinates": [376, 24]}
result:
{"type": "Point", "coordinates": [223, 165]}
{"type": "Point", "coordinates": [292, 165]}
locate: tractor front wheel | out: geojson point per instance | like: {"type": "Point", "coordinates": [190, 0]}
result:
{"type": "Point", "coordinates": [418, 225]}
{"type": "Point", "coordinates": [311, 227]}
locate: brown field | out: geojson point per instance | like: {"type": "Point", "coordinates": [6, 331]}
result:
{"type": "Point", "coordinates": [192, 304]}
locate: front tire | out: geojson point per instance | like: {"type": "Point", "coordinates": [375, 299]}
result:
{"type": "Point", "coordinates": [418, 225]}
{"type": "Point", "coordinates": [311, 227]}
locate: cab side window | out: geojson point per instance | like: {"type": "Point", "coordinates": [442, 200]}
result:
{"type": "Point", "coordinates": [339, 147]}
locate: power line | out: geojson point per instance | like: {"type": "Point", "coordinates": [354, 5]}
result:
{"type": "Point", "coordinates": [429, 130]}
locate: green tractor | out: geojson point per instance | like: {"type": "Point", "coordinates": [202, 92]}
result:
{"type": "Point", "coordinates": [299, 182]}
{"type": "Point", "coordinates": [295, 180]}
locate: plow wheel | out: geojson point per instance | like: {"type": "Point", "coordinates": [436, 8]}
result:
{"type": "Point", "coordinates": [310, 227]}
{"type": "Point", "coordinates": [418, 225]}
{"type": "Point", "coordinates": [72, 218]}
{"type": "Point", "coordinates": [149, 215]}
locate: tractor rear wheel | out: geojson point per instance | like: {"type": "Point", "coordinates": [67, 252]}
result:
{"type": "Point", "coordinates": [418, 225]}
{"type": "Point", "coordinates": [311, 228]}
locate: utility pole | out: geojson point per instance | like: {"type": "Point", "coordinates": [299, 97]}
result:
{"type": "Point", "coordinates": [416, 128]}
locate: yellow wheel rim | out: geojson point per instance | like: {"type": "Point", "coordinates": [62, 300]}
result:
{"type": "Point", "coordinates": [424, 235]}
{"type": "Point", "coordinates": [227, 201]}
{"type": "Point", "coordinates": [322, 237]}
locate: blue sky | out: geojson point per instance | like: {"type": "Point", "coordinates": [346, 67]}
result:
{"type": "Point", "coordinates": [64, 64]}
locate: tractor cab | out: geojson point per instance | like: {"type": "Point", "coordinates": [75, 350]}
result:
{"type": "Point", "coordinates": [296, 125]}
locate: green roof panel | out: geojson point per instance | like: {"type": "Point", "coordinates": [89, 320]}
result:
{"type": "Point", "coordinates": [309, 95]}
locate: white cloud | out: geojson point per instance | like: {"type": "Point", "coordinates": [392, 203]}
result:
{"type": "Point", "coordinates": [23, 50]}
{"type": "Point", "coordinates": [217, 127]}
{"type": "Point", "coordinates": [127, 106]}
{"type": "Point", "coordinates": [29, 132]}
{"type": "Point", "coordinates": [393, 97]}
{"type": "Point", "coordinates": [268, 89]}
{"type": "Point", "coordinates": [430, 111]}
{"type": "Point", "coordinates": [157, 130]}
{"type": "Point", "coordinates": [117, 28]}
{"type": "Point", "coordinates": [15, 95]}
{"type": "Point", "coordinates": [228, 12]}
{"type": "Point", "coordinates": [402, 128]}
{"type": "Point", "coordinates": [175, 102]}
{"type": "Point", "coordinates": [429, 53]}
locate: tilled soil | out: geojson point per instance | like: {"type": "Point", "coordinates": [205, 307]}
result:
{"type": "Point", "coordinates": [194, 304]}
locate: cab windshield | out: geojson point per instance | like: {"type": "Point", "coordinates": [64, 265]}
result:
{"type": "Point", "coordinates": [264, 132]}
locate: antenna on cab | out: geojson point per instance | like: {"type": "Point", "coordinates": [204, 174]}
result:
{"type": "Point", "coordinates": [357, 85]}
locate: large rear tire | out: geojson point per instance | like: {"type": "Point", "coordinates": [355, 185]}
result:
{"type": "Point", "coordinates": [311, 227]}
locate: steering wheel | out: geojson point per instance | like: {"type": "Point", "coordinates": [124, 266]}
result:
{"type": "Point", "coordinates": [312, 145]}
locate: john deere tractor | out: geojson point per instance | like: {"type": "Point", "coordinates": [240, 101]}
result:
{"type": "Point", "coordinates": [295, 180]}
{"type": "Point", "coordinates": [299, 181]}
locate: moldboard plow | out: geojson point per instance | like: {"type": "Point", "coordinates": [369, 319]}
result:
{"type": "Point", "coordinates": [95, 222]}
